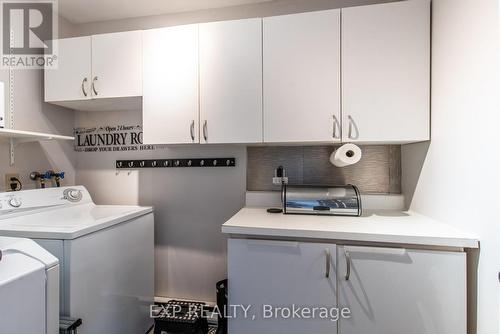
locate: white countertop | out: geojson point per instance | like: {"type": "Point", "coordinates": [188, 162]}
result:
{"type": "Point", "coordinates": [374, 226]}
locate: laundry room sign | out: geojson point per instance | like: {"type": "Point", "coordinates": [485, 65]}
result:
{"type": "Point", "coordinates": [111, 138]}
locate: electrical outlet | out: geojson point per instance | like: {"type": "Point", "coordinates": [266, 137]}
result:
{"type": "Point", "coordinates": [8, 181]}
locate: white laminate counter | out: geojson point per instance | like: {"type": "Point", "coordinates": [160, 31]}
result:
{"type": "Point", "coordinates": [396, 227]}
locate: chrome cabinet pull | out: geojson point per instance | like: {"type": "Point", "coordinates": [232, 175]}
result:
{"type": "Point", "coordinates": [352, 126]}
{"type": "Point", "coordinates": [93, 85]}
{"type": "Point", "coordinates": [205, 130]}
{"type": "Point", "coordinates": [335, 125]}
{"type": "Point", "coordinates": [191, 130]}
{"type": "Point", "coordinates": [348, 262]}
{"type": "Point", "coordinates": [328, 259]}
{"type": "Point", "coordinates": [84, 81]}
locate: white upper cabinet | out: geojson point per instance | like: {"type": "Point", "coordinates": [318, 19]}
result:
{"type": "Point", "coordinates": [386, 72]}
{"type": "Point", "coordinates": [72, 78]}
{"type": "Point", "coordinates": [231, 81]}
{"type": "Point", "coordinates": [170, 100]}
{"type": "Point", "coordinates": [101, 72]}
{"type": "Point", "coordinates": [359, 74]}
{"type": "Point", "coordinates": [302, 77]}
{"type": "Point", "coordinates": [117, 64]}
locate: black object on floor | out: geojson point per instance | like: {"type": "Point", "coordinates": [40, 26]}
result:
{"type": "Point", "coordinates": [181, 317]}
{"type": "Point", "coordinates": [275, 210]}
{"type": "Point", "coordinates": [69, 325]}
{"type": "Point", "coordinates": [222, 306]}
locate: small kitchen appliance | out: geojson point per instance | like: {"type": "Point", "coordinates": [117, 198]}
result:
{"type": "Point", "coordinates": [321, 200]}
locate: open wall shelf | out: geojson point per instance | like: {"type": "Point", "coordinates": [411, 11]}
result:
{"type": "Point", "coordinates": [16, 137]}
{"type": "Point", "coordinates": [29, 136]}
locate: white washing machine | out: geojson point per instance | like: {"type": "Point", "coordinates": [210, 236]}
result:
{"type": "Point", "coordinates": [29, 288]}
{"type": "Point", "coordinates": [106, 254]}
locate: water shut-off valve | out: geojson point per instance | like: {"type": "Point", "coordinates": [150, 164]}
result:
{"type": "Point", "coordinates": [48, 175]}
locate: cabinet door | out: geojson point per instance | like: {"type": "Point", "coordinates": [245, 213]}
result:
{"type": "Point", "coordinates": [280, 274]}
{"type": "Point", "coordinates": [231, 81]}
{"type": "Point", "coordinates": [386, 72]}
{"type": "Point", "coordinates": [117, 64]}
{"type": "Point", "coordinates": [392, 291]}
{"type": "Point", "coordinates": [302, 77]}
{"type": "Point", "coordinates": [70, 80]}
{"type": "Point", "coordinates": [170, 96]}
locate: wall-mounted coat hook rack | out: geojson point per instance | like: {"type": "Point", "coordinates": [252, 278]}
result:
{"type": "Point", "coordinates": [168, 163]}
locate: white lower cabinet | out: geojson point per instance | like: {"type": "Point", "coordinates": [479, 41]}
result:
{"type": "Point", "coordinates": [264, 274]}
{"type": "Point", "coordinates": [387, 290]}
{"type": "Point", "coordinates": [395, 290]}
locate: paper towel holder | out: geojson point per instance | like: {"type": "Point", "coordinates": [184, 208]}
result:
{"type": "Point", "coordinates": [345, 155]}
{"type": "Point", "coordinates": [350, 153]}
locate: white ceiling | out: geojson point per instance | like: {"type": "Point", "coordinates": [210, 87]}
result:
{"type": "Point", "coordinates": [84, 11]}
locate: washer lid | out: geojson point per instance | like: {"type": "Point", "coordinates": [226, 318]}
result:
{"type": "Point", "coordinates": [25, 251]}
{"type": "Point", "coordinates": [69, 222]}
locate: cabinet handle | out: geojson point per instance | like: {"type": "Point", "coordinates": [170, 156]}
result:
{"type": "Point", "coordinates": [328, 259]}
{"type": "Point", "coordinates": [93, 85]}
{"type": "Point", "coordinates": [348, 262]}
{"type": "Point", "coordinates": [191, 130]}
{"type": "Point", "coordinates": [272, 243]}
{"type": "Point", "coordinates": [205, 130]}
{"type": "Point", "coordinates": [352, 126]}
{"type": "Point", "coordinates": [377, 250]}
{"type": "Point", "coordinates": [84, 81]}
{"type": "Point", "coordinates": [335, 125]}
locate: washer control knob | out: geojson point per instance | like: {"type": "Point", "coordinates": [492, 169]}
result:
{"type": "Point", "coordinates": [73, 195]}
{"type": "Point", "coordinates": [15, 202]}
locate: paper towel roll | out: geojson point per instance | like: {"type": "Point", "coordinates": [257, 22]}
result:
{"type": "Point", "coordinates": [345, 155]}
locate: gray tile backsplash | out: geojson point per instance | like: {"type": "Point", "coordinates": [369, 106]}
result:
{"type": "Point", "coordinates": [379, 170]}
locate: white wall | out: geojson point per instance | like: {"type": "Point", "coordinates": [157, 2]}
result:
{"type": "Point", "coordinates": [66, 28]}
{"type": "Point", "coordinates": [456, 178]}
{"type": "Point", "coordinates": [32, 114]}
